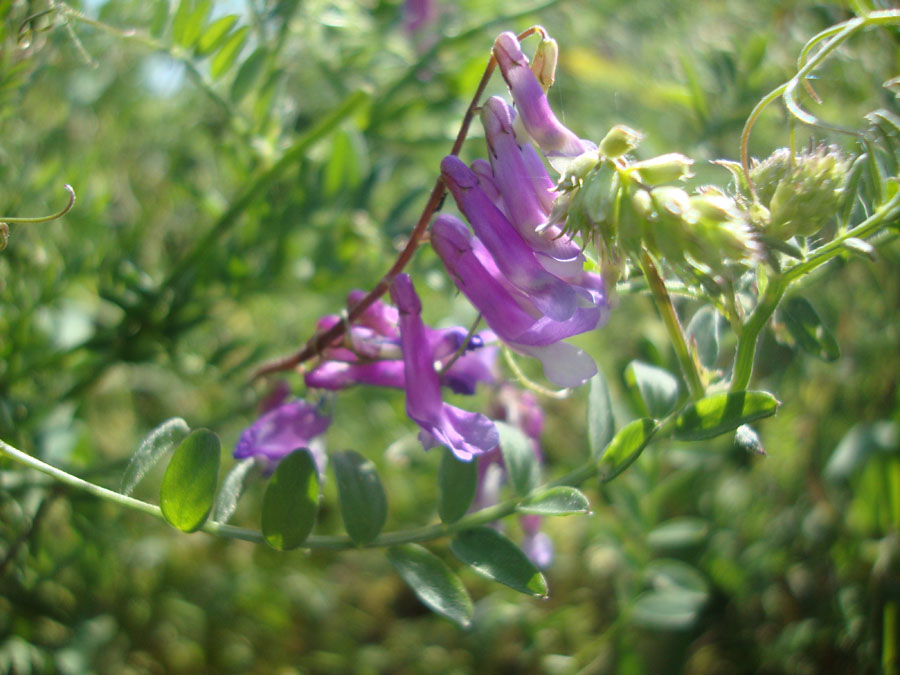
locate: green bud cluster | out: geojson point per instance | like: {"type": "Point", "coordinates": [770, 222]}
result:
{"type": "Point", "coordinates": [802, 193]}
{"type": "Point", "coordinates": [623, 206]}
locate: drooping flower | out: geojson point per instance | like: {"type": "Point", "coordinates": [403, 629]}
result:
{"type": "Point", "coordinates": [511, 314]}
{"type": "Point", "coordinates": [370, 353]}
{"type": "Point", "coordinates": [283, 429]}
{"type": "Point", "coordinates": [555, 140]}
{"type": "Point", "coordinates": [466, 434]}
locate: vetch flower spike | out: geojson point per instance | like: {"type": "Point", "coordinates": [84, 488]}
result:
{"type": "Point", "coordinates": [466, 434]}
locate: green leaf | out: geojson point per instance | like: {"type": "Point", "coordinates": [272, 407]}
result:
{"type": "Point", "coordinates": [160, 18]}
{"type": "Point", "coordinates": [362, 498]}
{"type": "Point", "coordinates": [494, 556]}
{"type": "Point", "coordinates": [457, 482]}
{"type": "Point", "coordinates": [189, 484]}
{"type": "Point", "coordinates": [668, 574]}
{"type": "Point", "coordinates": [625, 447]}
{"type": "Point", "coordinates": [556, 501]}
{"type": "Point", "coordinates": [232, 489]}
{"type": "Point", "coordinates": [215, 34]}
{"type": "Point", "coordinates": [228, 53]}
{"type": "Point", "coordinates": [860, 443]}
{"type": "Point", "coordinates": [189, 23]}
{"type": "Point", "coordinates": [291, 501]}
{"type": "Point", "coordinates": [723, 412]}
{"type": "Point", "coordinates": [433, 582]}
{"type": "Point", "coordinates": [346, 164]}
{"type": "Point", "coordinates": [658, 388]}
{"type": "Point", "coordinates": [703, 331]}
{"type": "Point", "coordinates": [519, 458]}
{"type": "Point", "coordinates": [247, 73]}
{"type": "Point", "coordinates": [600, 421]}
{"type": "Point", "coordinates": [807, 329]}
{"type": "Point", "coordinates": [678, 533]}
{"type": "Point", "coordinates": [666, 610]}
{"type": "Point", "coordinates": [156, 444]}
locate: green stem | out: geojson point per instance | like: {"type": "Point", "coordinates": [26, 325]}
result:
{"type": "Point", "coordinates": [673, 326]}
{"type": "Point", "coordinates": [749, 333]}
{"type": "Point", "coordinates": [890, 654]}
{"type": "Point", "coordinates": [334, 542]}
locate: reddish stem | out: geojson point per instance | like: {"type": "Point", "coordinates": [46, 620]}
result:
{"type": "Point", "coordinates": [320, 341]}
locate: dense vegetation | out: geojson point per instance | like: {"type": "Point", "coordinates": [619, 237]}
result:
{"type": "Point", "coordinates": [233, 185]}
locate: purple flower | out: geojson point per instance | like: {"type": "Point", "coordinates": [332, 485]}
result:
{"type": "Point", "coordinates": [283, 429]}
{"type": "Point", "coordinates": [553, 137]}
{"type": "Point", "coordinates": [511, 314]}
{"type": "Point", "coordinates": [466, 434]}
{"type": "Point", "coordinates": [370, 353]}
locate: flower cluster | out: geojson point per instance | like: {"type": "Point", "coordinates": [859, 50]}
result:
{"type": "Point", "coordinates": [517, 267]}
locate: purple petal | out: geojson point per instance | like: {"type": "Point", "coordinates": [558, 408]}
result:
{"type": "Point", "coordinates": [503, 312]}
{"type": "Point", "coordinates": [470, 369]}
{"type": "Point", "coordinates": [549, 133]}
{"type": "Point", "coordinates": [281, 431]}
{"type": "Point", "coordinates": [334, 375]}
{"type": "Point", "coordinates": [467, 434]}
{"type": "Point", "coordinates": [539, 549]}
{"type": "Point", "coordinates": [379, 316]}
{"type": "Point", "coordinates": [514, 257]}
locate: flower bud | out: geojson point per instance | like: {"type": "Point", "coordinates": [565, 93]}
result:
{"type": "Point", "coordinates": [664, 169]}
{"type": "Point", "coordinates": [619, 140]}
{"type": "Point", "coordinates": [543, 65]}
{"type": "Point", "coordinates": [577, 169]}
{"type": "Point", "coordinates": [801, 193]}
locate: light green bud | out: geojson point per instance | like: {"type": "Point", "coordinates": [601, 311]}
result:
{"type": "Point", "coordinates": [543, 65]}
{"type": "Point", "coordinates": [577, 169]}
{"type": "Point", "coordinates": [664, 169]}
{"type": "Point", "coordinates": [619, 140]}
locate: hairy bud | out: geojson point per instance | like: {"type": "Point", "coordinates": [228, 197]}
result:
{"type": "Point", "coordinates": [801, 193]}
{"type": "Point", "coordinates": [664, 169]}
{"type": "Point", "coordinates": [543, 65]}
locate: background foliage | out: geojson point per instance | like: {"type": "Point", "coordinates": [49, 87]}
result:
{"type": "Point", "coordinates": [233, 187]}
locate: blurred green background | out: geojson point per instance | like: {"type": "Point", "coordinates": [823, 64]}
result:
{"type": "Point", "coordinates": [231, 191]}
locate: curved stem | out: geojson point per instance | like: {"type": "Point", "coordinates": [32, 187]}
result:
{"type": "Point", "coordinates": [749, 334]}
{"type": "Point", "coordinates": [44, 219]}
{"type": "Point", "coordinates": [673, 326]}
{"type": "Point", "coordinates": [334, 542]}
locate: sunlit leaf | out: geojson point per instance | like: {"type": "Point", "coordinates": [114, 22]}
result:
{"type": "Point", "coordinates": [723, 412]}
{"type": "Point", "coordinates": [457, 482]}
{"type": "Point", "coordinates": [519, 458]}
{"type": "Point", "coordinates": [807, 329]}
{"type": "Point", "coordinates": [433, 582]}
{"type": "Point", "coordinates": [625, 447]}
{"type": "Point", "coordinates": [362, 497]}
{"type": "Point", "coordinates": [666, 610]}
{"type": "Point", "coordinates": [556, 501]}
{"type": "Point", "coordinates": [189, 485]}
{"type": "Point", "coordinates": [291, 501]}
{"type": "Point", "coordinates": [678, 533]}
{"type": "Point", "coordinates": [600, 422]}
{"type": "Point", "coordinates": [494, 556]}
{"type": "Point", "coordinates": [156, 444]}
{"type": "Point", "coordinates": [228, 53]}
{"type": "Point", "coordinates": [248, 73]}
{"type": "Point", "coordinates": [215, 34]}
{"type": "Point", "coordinates": [703, 331]}
{"type": "Point", "coordinates": [657, 388]}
